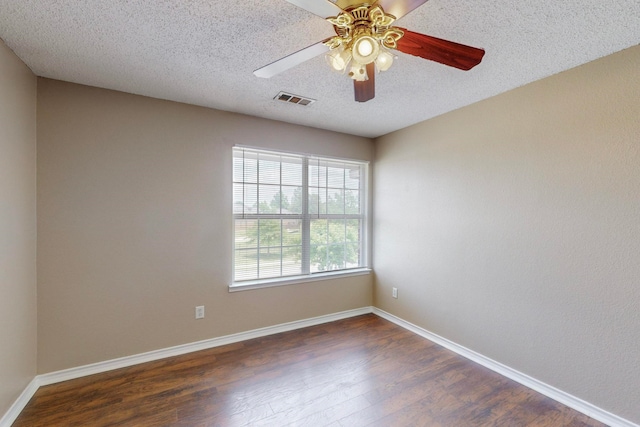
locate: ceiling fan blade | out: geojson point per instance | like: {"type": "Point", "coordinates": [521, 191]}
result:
{"type": "Point", "coordinates": [366, 90]}
{"type": "Point", "coordinates": [291, 60]}
{"type": "Point", "coordinates": [399, 8]}
{"type": "Point", "coordinates": [439, 50]}
{"type": "Point", "coordinates": [322, 8]}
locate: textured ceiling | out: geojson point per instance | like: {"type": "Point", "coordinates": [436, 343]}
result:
{"type": "Point", "coordinates": [203, 52]}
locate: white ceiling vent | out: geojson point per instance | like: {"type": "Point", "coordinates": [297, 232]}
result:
{"type": "Point", "coordinates": [294, 99]}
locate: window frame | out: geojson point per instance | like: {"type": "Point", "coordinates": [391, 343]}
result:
{"type": "Point", "coordinates": [305, 218]}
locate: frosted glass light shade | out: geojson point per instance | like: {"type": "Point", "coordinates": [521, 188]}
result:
{"type": "Point", "coordinates": [384, 60]}
{"type": "Point", "coordinates": [365, 50]}
{"type": "Point", "coordinates": [338, 59]}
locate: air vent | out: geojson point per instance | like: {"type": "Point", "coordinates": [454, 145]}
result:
{"type": "Point", "coordinates": [294, 99]}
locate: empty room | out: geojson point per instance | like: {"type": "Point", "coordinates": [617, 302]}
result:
{"type": "Point", "coordinates": [319, 213]}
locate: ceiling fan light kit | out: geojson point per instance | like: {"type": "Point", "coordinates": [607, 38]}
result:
{"type": "Point", "coordinates": [363, 34]}
{"type": "Point", "coordinates": [363, 40]}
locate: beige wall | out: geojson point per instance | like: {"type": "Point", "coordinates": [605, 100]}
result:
{"type": "Point", "coordinates": [134, 217]}
{"type": "Point", "coordinates": [17, 227]}
{"type": "Point", "coordinates": [512, 227]}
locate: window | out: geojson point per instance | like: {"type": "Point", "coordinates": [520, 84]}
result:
{"type": "Point", "coordinates": [296, 215]}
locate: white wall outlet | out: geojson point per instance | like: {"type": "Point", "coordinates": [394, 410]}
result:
{"type": "Point", "coordinates": [394, 292]}
{"type": "Point", "coordinates": [200, 312]}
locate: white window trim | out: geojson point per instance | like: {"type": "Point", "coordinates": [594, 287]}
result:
{"type": "Point", "coordinates": [294, 280]}
{"type": "Point", "coordinates": [365, 269]}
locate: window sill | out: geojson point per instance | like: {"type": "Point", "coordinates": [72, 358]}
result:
{"type": "Point", "coordinates": [269, 283]}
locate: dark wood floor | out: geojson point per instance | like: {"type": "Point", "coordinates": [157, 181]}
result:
{"type": "Point", "coordinates": [355, 372]}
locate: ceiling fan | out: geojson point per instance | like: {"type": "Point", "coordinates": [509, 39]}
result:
{"type": "Point", "coordinates": [364, 40]}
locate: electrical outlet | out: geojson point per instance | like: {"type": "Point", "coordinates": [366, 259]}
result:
{"type": "Point", "coordinates": [200, 312]}
{"type": "Point", "coordinates": [394, 292]}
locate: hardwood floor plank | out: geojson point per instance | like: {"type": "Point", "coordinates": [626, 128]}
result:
{"type": "Point", "coordinates": [362, 371]}
{"type": "Point", "coordinates": [332, 414]}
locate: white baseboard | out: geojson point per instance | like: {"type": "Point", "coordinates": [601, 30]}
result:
{"type": "Point", "coordinates": [122, 362]}
{"type": "Point", "coordinates": [14, 410]}
{"type": "Point", "coordinates": [532, 383]}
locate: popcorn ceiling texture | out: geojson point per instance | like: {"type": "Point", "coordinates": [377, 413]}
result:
{"type": "Point", "coordinates": [203, 52]}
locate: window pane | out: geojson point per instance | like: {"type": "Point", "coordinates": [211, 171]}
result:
{"type": "Point", "coordinates": [318, 258]}
{"type": "Point", "coordinates": [318, 231]}
{"type": "Point", "coordinates": [313, 175]}
{"type": "Point", "coordinates": [250, 168]}
{"type": "Point", "coordinates": [335, 201]}
{"type": "Point", "coordinates": [238, 198]}
{"type": "Point", "coordinates": [250, 198]}
{"type": "Point", "coordinates": [292, 171]}
{"type": "Point", "coordinates": [322, 201]}
{"type": "Point", "coordinates": [295, 200]}
{"type": "Point", "coordinates": [246, 264]}
{"type": "Point", "coordinates": [291, 200]}
{"type": "Point", "coordinates": [335, 257]}
{"type": "Point", "coordinates": [291, 232]}
{"type": "Point", "coordinates": [352, 177]}
{"type": "Point", "coordinates": [269, 196]}
{"type": "Point", "coordinates": [270, 263]}
{"type": "Point", "coordinates": [317, 175]}
{"type": "Point", "coordinates": [317, 201]}
{"type": "Point", "coordinates": [352, 202]}
{"type": "Point", "coordinates": [318, 249]}
{"type": "Point", "coordinates": [291, 260]}
{"type": "Point", "coordinates": [352, 255]}
{"type": "Point", "coordinates": [335, 177]}
{"type": "Point", "coordinates": [336, 230]}
{"type": "Point", "coordinates": [270, 234]}
{"type": "Point", "coordinates": [238, 167]}
{"type": "Point", "coordinates": [269, 169]}
{"type": "Point", "coordinates": [352, 231]}
{"type": "Point", "coordinates": [246, 233]}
